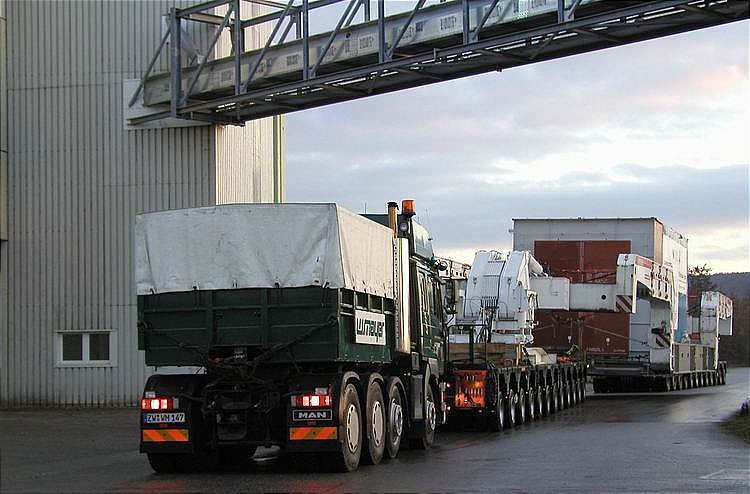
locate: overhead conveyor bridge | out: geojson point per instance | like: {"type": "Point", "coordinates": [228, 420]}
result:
{"type": "Point", "coordinates": [295, 69]}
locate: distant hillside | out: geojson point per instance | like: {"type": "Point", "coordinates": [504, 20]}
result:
{"type": "Point", "coordinates": [733, 284]}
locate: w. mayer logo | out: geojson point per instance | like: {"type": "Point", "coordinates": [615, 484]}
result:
{"type": "Point", "coordinates": [369, 328]}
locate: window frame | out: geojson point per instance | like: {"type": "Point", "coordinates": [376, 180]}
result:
{"type": "Point", "coordinates": [85, 348]}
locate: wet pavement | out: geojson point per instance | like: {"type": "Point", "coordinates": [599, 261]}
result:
{"type": "Point", "coordinates": [657, 442]}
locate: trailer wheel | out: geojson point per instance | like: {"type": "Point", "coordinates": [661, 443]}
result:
{"type": "Point", "coordinates": [521, 413]}
{"type": "Point", "coordinates": [723, 376]}
{"type": "Point", "coordinates": [546, 408]}
{"type": "Point", "coordinates": [395, 422]}
{"type": "Point", "coordinates": [496, 419]}
{"type": "Point", "coordinates": [347, 460]}
{"type": "Point", "coordinates": [430, 422]}
{"type": "Point", "coordinates": [582, 390]}
{"type": "Point", "coordinates": [375, 425]}
{"type": "Point", "coordinates": [538, 402]}
{"type": "Point", "coordinates": [510, 408]}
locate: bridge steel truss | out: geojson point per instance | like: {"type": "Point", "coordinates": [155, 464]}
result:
{"type": "Point", "coordinates": [575, 27]}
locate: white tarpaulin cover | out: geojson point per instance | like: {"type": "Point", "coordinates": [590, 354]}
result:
{"type": "Point", "coordinates": [262, 246]}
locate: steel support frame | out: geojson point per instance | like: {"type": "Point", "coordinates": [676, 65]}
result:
{"type": "Point", "coordinates": [475, 56]}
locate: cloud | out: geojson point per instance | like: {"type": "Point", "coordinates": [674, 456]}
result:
{"type": "Point", "coordinates": [653, 129]}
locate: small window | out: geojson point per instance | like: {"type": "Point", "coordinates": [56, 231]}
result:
{"type": "Point", "coordinates": [86, 348]}
{"type": "Point", "coordinates": [99, 346]}
{"type": "Point", "coordinates": [72, 347]}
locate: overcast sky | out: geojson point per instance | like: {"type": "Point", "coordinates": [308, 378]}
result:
{"type": "Point", "coordinates": [658, 128]}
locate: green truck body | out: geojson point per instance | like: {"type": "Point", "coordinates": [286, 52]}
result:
{"type": "Point", "coordinates": [216, 323]}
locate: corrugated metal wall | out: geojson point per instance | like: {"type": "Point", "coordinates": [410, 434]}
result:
{"type": "Point", "coordinates": [76, 181]}
{"type": "Point", "coordinates": [3, 204]}
{"type": "Point", "coordinates": [245, 155]}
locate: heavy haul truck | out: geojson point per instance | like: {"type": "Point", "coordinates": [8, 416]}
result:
{"type": "Point", "coordinates": [652, 343]}
{"type": "Point", "coordinates": [318, 330]}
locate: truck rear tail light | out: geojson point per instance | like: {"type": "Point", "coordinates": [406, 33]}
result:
{"type": "Point", "coordinates": [159, 403]}
{"type": "Point", "coordinates": [311, 401]}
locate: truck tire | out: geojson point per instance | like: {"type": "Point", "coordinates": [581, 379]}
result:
{"type": "Point", "coordinates": [430, 422]}
{"type": "Point", "coordinates": [236, 457]}
{"type": "Point", "coordinates": [723, 376]}
{"type": "Point", "coordinates": [496, 419]}
{"type": "Point", "coordinates": [538, 402]}
{"type": "Point", "coordinates": [350, 415]}
{"type": "Point", "coordinates": [521, 413]}
{"type": "Point", "coordinates": [547, 409]}
{"type": "Point", "coordinates": [598, 385]}
{"type": "Point", "coordinates": [582, 390]}
{"type": "Point", "coordinates": [162, 463]}
{"type": "Point", "coordinates": [183, 463]}
{"type": "Point", "coordinates": [395, 422]}
{"type": "Point", "coordinates": [510, 409]}
{"type": "Point", "coordinates": [375, 425]}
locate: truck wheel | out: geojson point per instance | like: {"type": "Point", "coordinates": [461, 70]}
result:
{"type": "Point", "coordinates": [395, 422]}
{"type": "Point", "coordinates": [496, 419]}
{"type": "Point", "coordinates": [598, 385]}
{"type": "Point", "coordinates": [723, 376]}
{"type": "Point", "coordinates": [510, 408]}
{"type": "Point", "coordinates": [236, 457]}
{"type": "Point", "coordinates": [202, 462]}
{"type": "Point", "coordinates": [538, 402]}
{"type": "Point", "coordinates": [582, 390]}
{"type": "Point", "coordinates": [521, 414]}
{"type": "Point", "coordinates": [430, 422]}
{"type": "Point", "coordinates": [347, 460]}
{"type": "Point", "coordinates": [375, 426]}
{"type": "Point", "coordinates": [548, 399]}
{"type": "Point", "coordinates": [162, 463]}
{"type": "Point", "coordinates": [530, 406]}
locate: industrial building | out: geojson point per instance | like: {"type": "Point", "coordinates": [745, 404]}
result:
{"type": "Point", "coordinates": [73, 176]}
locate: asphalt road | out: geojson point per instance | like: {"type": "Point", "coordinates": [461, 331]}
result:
{"type": "Point", "coordinates": [659, 442]}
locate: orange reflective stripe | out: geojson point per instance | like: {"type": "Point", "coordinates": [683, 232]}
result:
{"type": "Point", "coordinates": [312, 433]}
{"type": "Point", "coordinates": [328, 433]}
{"type": "Point", "coordinates": [151, 435]}
{"type": "Point", "coordinates": [180, 435]}
{"type": "Point", "coordinates": [165, 435]}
